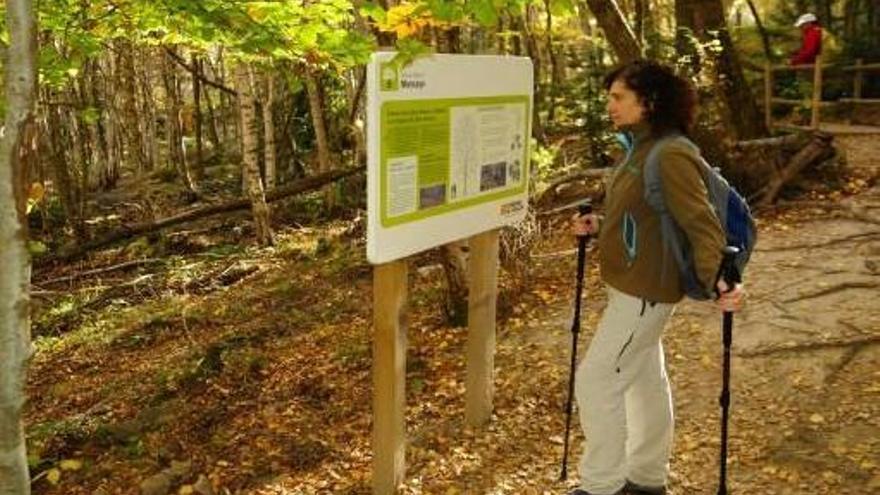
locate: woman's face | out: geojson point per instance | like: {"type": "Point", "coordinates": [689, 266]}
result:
{"type": "Point", "coordinates": [624, 106]}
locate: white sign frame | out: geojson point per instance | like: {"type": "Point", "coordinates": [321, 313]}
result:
{"type": "Point", "coordinates": [463, 83]}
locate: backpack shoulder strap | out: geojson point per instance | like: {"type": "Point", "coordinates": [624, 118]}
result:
{"type": "Point", "coordinates": [652, 180]}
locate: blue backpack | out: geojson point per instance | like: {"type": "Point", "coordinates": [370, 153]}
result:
{"type": "Point", "coordinates": [732, 210]}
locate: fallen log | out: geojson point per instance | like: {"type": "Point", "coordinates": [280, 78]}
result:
{"type": "Point", "coordinates": [787, 141]}
{"type": "Point", "coordinates": [100, 271]}
{"type": "Point", "coordinates": [817, 150]}
{"type": "Point", "coordinates": [71, 319]}
{"type": "Point", "coordinates": [72, 252]}
{"type": "Point", "coordinates": [549, 194]}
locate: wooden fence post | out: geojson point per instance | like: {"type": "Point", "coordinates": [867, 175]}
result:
{"type": "Point", "coordinates": [817, 92]}
{"type": "Point", "coordinates": [857, 82]}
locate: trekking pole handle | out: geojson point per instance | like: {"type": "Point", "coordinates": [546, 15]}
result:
{"type": "Point", "coordinates": [729, 271]}
{"type": "Point", "coordinates": [585, 208]}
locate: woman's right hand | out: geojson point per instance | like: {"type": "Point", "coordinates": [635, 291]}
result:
{"type": "Point", "coordinates": [584, 225]}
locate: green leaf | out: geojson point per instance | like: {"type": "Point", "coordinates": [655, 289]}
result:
{"type": "Point", "coordinates": [373, 11]}
{"type": "Point", "coordinates": [408, 50]}
{"type": "Point", "coordinates": [90, 115]}
{"type": "Point", "coordinates": [561, 7]}
{"type": "Point", "coordinates": [484, 12]}
{"type": "Point", "coordinates": [36, 248]}
{"type": "Point", "coordinates": [444, 10]}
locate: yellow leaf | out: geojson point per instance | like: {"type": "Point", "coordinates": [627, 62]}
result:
{"type": "Point", "coordinates": [36, 192]}
{"type": "Point", "coordinates": [405, 20]}
{"type": "Point", "coordinates": [404, 30]}
{"type": "Point", "coordinates": [545, 296]}
{"type": "Point", "coordinates": [256, 11]}
{"type": "Point", "coordinates": [70, 465]}
{"type": "Point", "coordinates": [186, 490]}
{"type": "Point", "coordinates": [817, 418]}
{"type": "Point", "coordinates": [54, 476]}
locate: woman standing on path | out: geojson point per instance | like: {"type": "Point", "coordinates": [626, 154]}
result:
{"type": "Point", "coordinates": [622, 388]}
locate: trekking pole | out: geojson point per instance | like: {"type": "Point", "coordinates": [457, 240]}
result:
{"type": "Point", "coordinates": [731, 277]}
{"type": "Point", "coordinates": [583, 209]}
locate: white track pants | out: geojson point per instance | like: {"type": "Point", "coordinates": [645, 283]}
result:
{"type": "Point", "coordinates": [623, 398]}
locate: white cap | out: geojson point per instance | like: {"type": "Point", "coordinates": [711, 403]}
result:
{"type": "Point", "coordinates": [805, 19]}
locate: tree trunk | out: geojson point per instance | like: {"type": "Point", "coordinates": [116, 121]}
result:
{"type": "Point", "coordinates": [534, 53]}
{"type": "Point", "coordinates": [641, 15]}
{"type": "Point", "coordinates": [110, 175]}
{"type": "Point", "coordinates": [455, 304]}
{"type": "Point", "coordinates": [269, 131]}
{"type": "Point", "coordinates": [20, 83]}
{"type": "Point", "coordinates": [224, 106]}
{"type": "Point", "coordinates": [199, 165]}
{"type": "Point", "coordinates": [704, 17]}
{"type": "Point", "coordinates": [149, 134]}
{"type": "Point", "coordinates": [104, 169]}
{"type": "Point", "coordinates": [617, 31]}
{"type": "Point", "coordinates": [765, 38]}
{"type": "Point", "coordinates": [823, 9]}
{"type": "Point", "coordinates": [129, 114]}
{"type": "Point", "coordinates": [65, 184]}
{"type": "Point", "coordinates": [82, 150]}
{"type": "Point", "coordinates": [250, 147]}
{"type": "Point", "coordinates": [213, 134]}
{"type": "Point", "coordinates": [555, 81]}
{"type": "Point", "coordinates": [517, 40]}
{"type": "Point", "coordinates": [873, 25]}
{"type": "Point", "coordinates": [174, 127]}
{"type": "Point", "coordinates": [355, 122]}
{"type": "Point", "coordinates": [316, 108]}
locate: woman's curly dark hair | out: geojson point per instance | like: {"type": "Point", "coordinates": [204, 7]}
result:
{"type": "Point", "coordinates": [670, 100]}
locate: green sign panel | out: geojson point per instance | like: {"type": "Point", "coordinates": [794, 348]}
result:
{"type": "Point", "coordinates": [441, 155]}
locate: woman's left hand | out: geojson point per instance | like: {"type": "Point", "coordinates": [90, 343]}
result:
{"type": "Point", "coordinates": [730, 299]}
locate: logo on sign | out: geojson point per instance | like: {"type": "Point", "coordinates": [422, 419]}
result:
{"type": "Point", "coordinates": [511, 208]}
{"type": "Point", "coordinates": [389, 78]}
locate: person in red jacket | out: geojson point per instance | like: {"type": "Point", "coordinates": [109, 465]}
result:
{"type": "Point", "coordinates": [811, 40]}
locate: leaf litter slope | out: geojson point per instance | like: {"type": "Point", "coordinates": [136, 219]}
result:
{"type": "Point", "coordinates": [265, 386]}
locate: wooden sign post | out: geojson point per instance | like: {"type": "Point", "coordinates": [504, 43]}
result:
{"type": "Point", "coordinates": [389, 374]}
{"type": "Point", "coordinates": [482, 297]}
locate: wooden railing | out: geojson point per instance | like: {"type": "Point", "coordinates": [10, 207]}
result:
{"type": "Point", "coordinates": [815, 101]}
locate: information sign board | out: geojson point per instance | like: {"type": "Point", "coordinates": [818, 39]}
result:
{"type": "Point", "coordinates": [447, 149]}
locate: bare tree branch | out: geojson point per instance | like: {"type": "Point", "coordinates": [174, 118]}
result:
{"type": "Point", "coordinates": [214, 84]}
